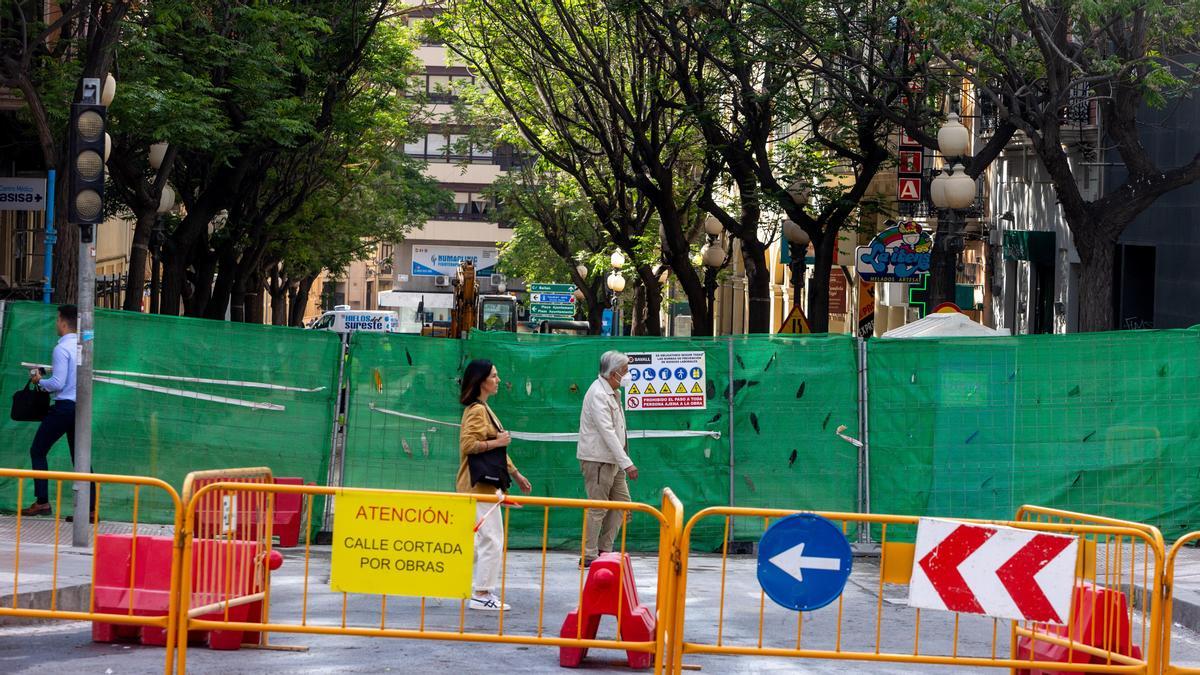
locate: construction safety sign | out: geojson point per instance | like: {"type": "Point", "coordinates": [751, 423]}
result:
{"type": "Point", "coordinates": [666, 381]}
{"type": "Point", "coordinates": [419, 545]}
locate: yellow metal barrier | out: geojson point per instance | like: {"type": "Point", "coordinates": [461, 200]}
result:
{"type": "Point", "coordinates": [421, 624]}
{"type": "Point", "coordinates": [1168, 605]}
{"type": "Point", "coordinates": [104, 485]}
{"type": "Point", "coordinates": [897, 633]}
{"type": "Point", "coordinates": [1105, 562]}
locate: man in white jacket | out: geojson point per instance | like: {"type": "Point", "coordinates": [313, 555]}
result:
{"type": "Point", "coordinates": [603, 452]}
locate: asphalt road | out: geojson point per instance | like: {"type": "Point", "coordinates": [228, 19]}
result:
{"type": "Point", "coordinates": [67, 647]}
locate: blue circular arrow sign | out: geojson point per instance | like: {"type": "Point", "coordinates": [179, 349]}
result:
{"type": "Point", "coordinates": [803, 562]}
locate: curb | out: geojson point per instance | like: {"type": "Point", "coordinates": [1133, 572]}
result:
{"type": "Point", "coordinates": [68, 599]}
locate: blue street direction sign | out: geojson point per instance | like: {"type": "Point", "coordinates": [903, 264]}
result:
{"type": "Point", "coordinates": [552, 288]}
{"type": "Point", "coordinates": [553, 298]}
{"type": "Point", "coordinates": [803, 562]}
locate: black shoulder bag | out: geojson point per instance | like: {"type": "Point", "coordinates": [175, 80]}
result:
{"type": "Point", "coordinates": [30, 404]}
{"type": "Point", "coordinates": [491, 466]}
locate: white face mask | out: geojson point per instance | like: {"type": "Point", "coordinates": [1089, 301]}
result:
{"type": "Point", "coordinates": [626, 381]}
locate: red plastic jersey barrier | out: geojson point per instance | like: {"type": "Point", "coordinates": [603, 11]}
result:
{"type": "Point", "coordinates": [605, 595]}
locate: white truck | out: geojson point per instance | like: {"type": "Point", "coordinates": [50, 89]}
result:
{"type": "Point", "coordinates": [345, 320]}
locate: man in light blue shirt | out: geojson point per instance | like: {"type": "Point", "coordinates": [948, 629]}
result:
{"type": "Point", "coordinates": [60, 420]}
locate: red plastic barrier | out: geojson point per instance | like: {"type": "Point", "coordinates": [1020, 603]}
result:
{"type": "Point", "coordinates": [601, 598]}
{"type": "Point", "coordinates": [1100, 619]}
{"type": "Point", "coordinates": [285, 519]}
{"type": "Point", "coordinates": [151, 586]}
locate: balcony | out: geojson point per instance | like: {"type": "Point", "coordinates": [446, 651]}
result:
{"type": "Point", "coordinates": [1080, 113]}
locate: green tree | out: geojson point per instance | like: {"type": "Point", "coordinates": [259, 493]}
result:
{"type": "Point", "coordinates": [589, 92]}
{"type": "Point", "coordinates": [45, 63]}
{"type": "Point", "coordinates": [1033, 59]}
{"type": "Point", "coordinates": [555, 234]}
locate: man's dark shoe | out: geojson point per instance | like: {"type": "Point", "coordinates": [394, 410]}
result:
{"type": "Point", "coordinates": [586, 562]}
{"type": "Point", "coordinates": [91, 518]}
{"type": "Point", "coordinates": [37, 509]}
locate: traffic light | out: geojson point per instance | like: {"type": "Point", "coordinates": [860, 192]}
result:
{"type": "Point", "coordinates": [87, 154]}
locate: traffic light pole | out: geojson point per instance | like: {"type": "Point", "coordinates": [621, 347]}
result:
{"type": "Point", "coordinates": [86, 304]}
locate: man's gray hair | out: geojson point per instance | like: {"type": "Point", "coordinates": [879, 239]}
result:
{"type": "Point", "coordinates": [611, 361]}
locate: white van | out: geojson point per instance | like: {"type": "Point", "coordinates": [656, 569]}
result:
{"type": "Point", "coordinates": [345, 320]}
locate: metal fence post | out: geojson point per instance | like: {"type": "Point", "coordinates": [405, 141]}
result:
{"type": "Point", "coordinates": [732, 462]}
{"type": "Point", "coordinates": [864, 436]}
{"type": "Point", "coordinates": [337, 438]}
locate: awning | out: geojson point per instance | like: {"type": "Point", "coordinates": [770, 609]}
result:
{"type": "Point", "coordinates": [1035, 246]}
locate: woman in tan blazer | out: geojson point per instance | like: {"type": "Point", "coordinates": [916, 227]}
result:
{"type": "Point", "coordinates": [481, 431]}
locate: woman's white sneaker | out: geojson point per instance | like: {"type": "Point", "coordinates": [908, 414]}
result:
{"type": "Point", "coordinates": [488, 603]}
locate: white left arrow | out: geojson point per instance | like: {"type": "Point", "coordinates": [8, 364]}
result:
{"type": "Point", "coordinates": [794, 562]}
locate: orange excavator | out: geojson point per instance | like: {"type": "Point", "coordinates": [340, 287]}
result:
{"type": "Point", "coordinates": [472, 310]}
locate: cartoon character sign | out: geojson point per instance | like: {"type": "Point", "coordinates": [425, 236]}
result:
{"type": "Point", "coordinates": [900, 252]}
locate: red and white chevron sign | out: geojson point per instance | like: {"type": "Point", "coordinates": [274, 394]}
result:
{"type": "Point", "coordinates": [993, 570]}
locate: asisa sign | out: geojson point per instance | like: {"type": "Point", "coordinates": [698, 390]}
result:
{"type": "Point", "coordinates": [899, 253]}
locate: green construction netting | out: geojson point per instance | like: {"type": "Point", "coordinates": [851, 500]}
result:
{"type": "Point", "coordinates": [783, 386]}
{"type": "Point", "coordinates": [178, 424]}
{"type": "Point", "coordinates": [970, 427]}
{"type": "Point", "coordinates": [1102, 423]}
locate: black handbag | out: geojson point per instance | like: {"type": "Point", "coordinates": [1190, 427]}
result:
{"type": "Point", "coordinates": [30, 404]}
{"type": "Point", "coordinates": [491, 466]}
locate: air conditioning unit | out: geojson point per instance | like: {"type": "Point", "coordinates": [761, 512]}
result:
{"type": "Point", "coordinates": [498, 279]}
{"type": "Point", "coordinates": [441, 280]}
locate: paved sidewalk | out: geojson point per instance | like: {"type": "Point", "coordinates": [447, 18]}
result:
{"type": "Point", "coordinates": [74, 651]}
{"type": "Point", "coordinates": [44, 580]}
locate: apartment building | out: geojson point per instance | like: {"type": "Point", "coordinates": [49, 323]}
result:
{"type": "Point", "coordinates": [416, 273]}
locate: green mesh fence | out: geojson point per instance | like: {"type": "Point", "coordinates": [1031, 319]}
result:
{"type": "Point", "coordinates": [167, 425]}
{"type": "Point", "coordinates": [1100, 423]}
{"type": "Point", "coordinates": [1103, 423]}
{"type": "Point", "coordinates": [781, 385]}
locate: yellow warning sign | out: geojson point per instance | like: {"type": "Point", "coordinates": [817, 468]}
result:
{"type": "Point", "coordinates": [696, 389]}
{"type": "Point", "coordinates": [403, 544]}
{"type": "Point", "coordinates": [680, 389]}
{"type": "Point", "coordinates": [633, 389]}
{"type": "Point", "coordinates": [649, 389]}
{"type": "Point", "coordinates": [795, 323]}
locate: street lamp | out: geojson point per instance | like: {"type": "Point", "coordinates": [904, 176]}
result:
{"type": "Point", "coordinates": [616, 282]}
{"type": "Point", "coordinates": [713, 255]}
{"type": "Point", "coordinates": [158, 236]}
{"type": "Point", "coordinates": [157, 152]}
{"type": "Point", "coordinates": [949, 193]}
{"type": "Point", "coordinates": [712, 226]}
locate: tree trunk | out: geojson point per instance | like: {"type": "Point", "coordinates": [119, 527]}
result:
{"type": "Point", "coordinates": [299, 301]}
{"type": "Point", "coordinates": [647, 307]}
{"type": "Point", "coordinates": [637, 319]}
{"type": "Point", "coordinates": [279, 299]}
{"type": "Point", "coordinates": [694, 290]}
{"type": "Point", "coordinates": [825, 248]}
{"type": "Point", "coordinates": [202, 284]}
{"type": "Point", "coordinates": [66, 253]}
{"type": "Point", "coordinates": [758, 284]}
{"type": "Point", "coordinates": [222, 288]}
{"type": "Point", "coordinates": [1097, 255]}
{"type": "Point", "coordinates": [254, 299]}
{"type": "Point", "coordinates": [138, 255]}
